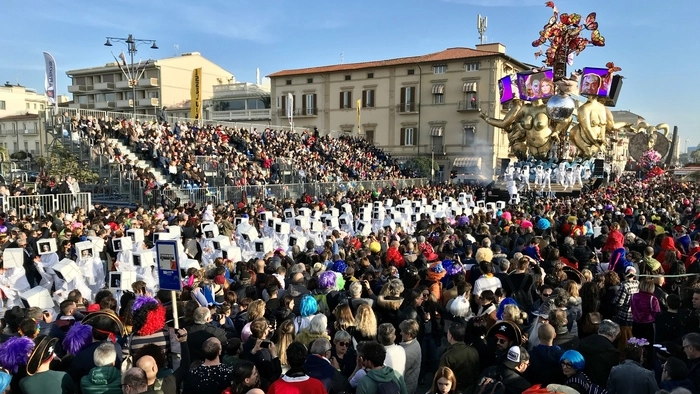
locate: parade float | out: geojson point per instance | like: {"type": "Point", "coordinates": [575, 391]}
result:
{"type": "Point", "coordinates": [561, 124]}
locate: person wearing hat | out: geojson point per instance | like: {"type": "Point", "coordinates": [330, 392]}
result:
{"type": "Point", "coordinates": [40, 379]}
{"type": "Point", "coordinates": [509, 372]}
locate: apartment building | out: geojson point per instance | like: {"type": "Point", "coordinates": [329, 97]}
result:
{"type": "Point", "coordinates": [20, 100]}
{"type": "Point", "coordinates": [425, 105]}
{"type": "Point", "coordinates": [165, 82]}
{"type": "Point", "coordinates": [19, 119]}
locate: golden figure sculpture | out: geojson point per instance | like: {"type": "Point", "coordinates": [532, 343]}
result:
{"type": "Point", "coordinates": [512, 127]}
{"type": "Point", "coordinates": [589, 134]}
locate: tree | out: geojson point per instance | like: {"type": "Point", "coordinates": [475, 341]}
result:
{"type": "Point", "coordinates": [63, 163]}
{"type": "Point", "coordinates": [684, 158]}
{"type": "Point", "coordinates": [421, 165]}
{"type": "Point", "coordinates": [695, 155]}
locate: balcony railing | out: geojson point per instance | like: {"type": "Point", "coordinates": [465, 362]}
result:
{"type": "Point", "coordinates": [125, 103]}
{"type": "Point", "coordinates": [149, 102]}
{"type": "Point", "coordinates": [468, 105]}
{"type": "Point", "coordinates": [105, 104]}
{"type": "Point", "coordinates": [77, 88]}
{"type": "Point", "coordinates": [148, 82]}
{"type": "Point", "coordinates": [104, 86]}
{"type": "Point", "coordinates": [78, 105]}
{"type": "Point", "coordinates": [299, 112]}
{"type": "Point", "coordinates": [244, 114]}
{"type": "Point", "coordinates": [408, 108]}
{"type": "Point", "coordinates": [122, 84]}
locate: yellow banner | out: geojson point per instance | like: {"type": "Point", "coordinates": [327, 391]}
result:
{"type": "Point", "coordinates": [196, 94]}
{"type": "Point", "coordinates": [359, 107]}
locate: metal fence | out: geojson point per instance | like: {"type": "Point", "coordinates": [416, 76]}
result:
{"type": "Point", "coordinates": [42, 204]}
{"type": "Point", "coordinates": [220, 194]}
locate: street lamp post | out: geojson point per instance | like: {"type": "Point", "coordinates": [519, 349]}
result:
{"type": "Point", "coordinates": [132, 72]}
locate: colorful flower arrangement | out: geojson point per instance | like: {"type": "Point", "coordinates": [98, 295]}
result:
{"type": "Point", "coordinates": [649, 159]}
{"type": "Point", "coordinates": [654, 172]}
{"type": "Point", "coordinates": [638, 342]}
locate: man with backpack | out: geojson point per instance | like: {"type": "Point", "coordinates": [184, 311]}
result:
{"type": "Point", "coordinates": [506, 378]}
{"type": "Point", "coordinates": [380, 379]}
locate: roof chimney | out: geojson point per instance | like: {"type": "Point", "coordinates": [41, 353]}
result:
{"type": "Point", "coordinates": [492, 47]}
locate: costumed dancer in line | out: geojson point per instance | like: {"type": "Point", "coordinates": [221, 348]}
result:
{"type": "Point", "coordinates": [577, 175]}
{"type": "Point", "coordinates": [539, 176]}
{"type": "Point", "coordinates": [91, 267]}
{"type": "Point", "coordinates": [547, 180]}
{"type": "Point", "coordinates": [586, 174]}
{"type": "Point", "coordinates": [525, 178]}
{"type": "Point", "coordinates": [569, 182]}
{"type": "Point", "coordinates": [561, 173]}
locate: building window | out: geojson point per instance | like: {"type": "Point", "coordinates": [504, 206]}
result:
{"type": "Point", "coordinates": [348, 77]}
{"type": "Point", "coordinates": [438, 92]}
{"type": "Point", "coordinates": [29, 106]}
{"type": "Point", "coordinates": [309, 80]}
{"type": "Point", "coordinates": [289, 82]}
{"type": "Point", "coordinates": [279, 103]}
{"type": "Point", "coordinates": [36, 126]}
{"type": "Point", "coordinates": [368, 98]}
{"type": "Point", "coordinates": [370, 75]}
{"type": "Point", "coordinates": [26, 146]}
{"type": "Point", "coordinates": [471, 101]}
{"type": "Point", "coordinates": [369, 136]}
{"type": "Point", "coordinates": [2, 104]}
{"type": "Point", "coordinates": [408, 100]}
{"type": "Point", "coordinates": [440, 69]}
{"type": "Point", "coordinates": [411, 71]}
{"type": "Point", "coordinates": [407, 136]}
{"type": "Point", "coordinates": [153, 94]}
{"type": "Point", "coordinates": [468, 135]}
{"type": "Point", "coordinates": [308, 104]}
{"type": "Point", "coordinates": [42, 107]}
{"type": "Point", "coordinates": [34, 105]}
{"type": "Point", "coordinates": [37, 146]}
{"type": "Point", "coordinates": [83, 99]}
{"type": "Point", "coordinates": [346, 99]}
{"type": "Point", "coordinates": [472, 66]}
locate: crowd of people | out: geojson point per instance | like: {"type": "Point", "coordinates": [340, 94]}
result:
{"type": "Point", "coordinates": [240, 156]}
{"type": "Point", "coordinates": [592, 294]}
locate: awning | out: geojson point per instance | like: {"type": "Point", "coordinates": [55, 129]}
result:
{"type": "Point", "coordinates": [467, 162]}
{"type": "Point", "coordinates": [436, 131]}
{"type": "Point", "coordinates": [470, 87]}
{"type": "Point", "coordinates": [438, 88]}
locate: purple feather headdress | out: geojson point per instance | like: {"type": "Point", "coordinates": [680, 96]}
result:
{"type": "Point", "coordinates": [14, 353]}
{"type": "Point", "coordinates": [141, 301]}
{"type": "Point", "coordinates": [326, 280]}
{"type": "Point", "coordinates": [77, 338]}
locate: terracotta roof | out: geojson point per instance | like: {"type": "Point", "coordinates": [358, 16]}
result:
{"type": "Point", "coordinates": [447, 54]}
{"type": "Point", "coordinates": [19, 117]}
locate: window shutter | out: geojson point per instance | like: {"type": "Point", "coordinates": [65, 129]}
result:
{"type": "Point", "coordinates": [364, 98]}
{"type": "Point", "coordinates": [303, 103]}
{"type": "Point", "coordinates": [403, 134]}
{"type": "Point", "coordinates": [349, 99]}
{"type": "Point", "coordinates": [314, 104]}
{"type": "Point", "coordinates": [294, 104]}
{"type": "Point", "coordinates": [284, 103]}
{"type": "Point", "coordinates": [403, 96]}
{"type": "Point", "coordinates": [341, 100]}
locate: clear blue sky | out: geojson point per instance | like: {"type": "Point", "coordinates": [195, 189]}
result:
{"type": "Point", "coordinates": [655, 42]}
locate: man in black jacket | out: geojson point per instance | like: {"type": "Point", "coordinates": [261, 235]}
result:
{"type": "Point", "coordinates": [200, 331]}
{"type": "Point", "coordinates": [319, 366]}
{"type": "Point", "coordinates": [510, 371]}
{"type": "Point", "coordinates": [600, 353]}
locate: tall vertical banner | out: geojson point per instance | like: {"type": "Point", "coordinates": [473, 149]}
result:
{"type": "Point", "coordinates": [50, 79]}
{"type": "Point", "coordinates": [196, 94]}
{"type": "Point", "coordinates": [290, 109]}
{"type": "Point", "coordinates": [359, 108]}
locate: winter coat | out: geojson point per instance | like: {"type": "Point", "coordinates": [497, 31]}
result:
{"type": "Point", "coordinates": [102, 380]}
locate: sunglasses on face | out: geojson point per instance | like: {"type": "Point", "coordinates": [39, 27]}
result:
{"type": "Point", "coordinates": [566, 364]}
{"type": "Point", "coordinates": [344, 344]}
{"type": "Point", "coordinates": [546, 294]}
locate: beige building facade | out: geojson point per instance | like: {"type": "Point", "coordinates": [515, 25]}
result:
{"type": "Point", "coordinates": [22, 133]}
{"type": "Point", "coordinates": [19, 100]}
{"type": "Point", "coordinates": [164, 82]}
{"type": "Point", "coordinates": [416, 106]}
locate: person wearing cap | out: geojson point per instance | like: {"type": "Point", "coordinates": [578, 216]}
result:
{"type": "Point", "coordinates": [510, 371]}
{"type": "Point", "coordinates": [622, 303]}
{"type": "Point", "coordinates": [40, 378]}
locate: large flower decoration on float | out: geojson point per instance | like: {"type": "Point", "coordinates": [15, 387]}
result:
{"type": "Point", "coordinates": [563, 35]}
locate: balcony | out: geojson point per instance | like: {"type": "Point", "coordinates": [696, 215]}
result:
{"type": "Point", "coordinates": [149, 102]}
{"type": "Point", "coordinates": [468, 105]}
{"type": "Point", "coordinates": [78, 105]}
{"type": "Point", "coordinates": [241, 89]}
{"type": "Point", "coordinates": [122, 84]}
{"type": "Point", "coordinates": [300, 112]}
{"type": "Point", "coordinates": [104, 86]}
{"type": "Point", "coordinates": [105, 104]}
{"type": "Point", "coordinates": [245, 114]}
{"type": "Point", "coordinates": [125, 103]}
{"type": "Point", "coordinates": [408, 108]}
{"type": "Point", "coordinates": [148, 82]}
{"type": "Point", "coordinates": [77, 88]}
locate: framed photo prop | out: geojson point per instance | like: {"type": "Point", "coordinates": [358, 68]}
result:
{"type": "Point", "coordinates": [121, 280]}
{"type": "Point", "coordinates": [66, 269]}
{"type": "Point", "coordinates": [85, 249]}
{"type": "Point", "coordinates": [46, 246]}
{"type": "Point", "coordinates": [136, 235]}
{"type": "Point", "coordinates": [144, 258]}
{"type": "Point", "coordinates": [121, 244]}
{"type": "Point", "coordinates": [13, 258]}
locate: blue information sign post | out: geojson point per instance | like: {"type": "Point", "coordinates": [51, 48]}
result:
{"type": "Point", "coordinates": [168, 265]}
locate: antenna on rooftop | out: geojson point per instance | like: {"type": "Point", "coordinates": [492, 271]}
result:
{"type": "Point", "coordinates": [176, 48]}
{"type": "Point", "coordinates": [481, 27]}
{"type": "Point", "coordinates": [342, 58]}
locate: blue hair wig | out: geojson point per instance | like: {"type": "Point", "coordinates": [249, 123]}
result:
{"type": "Point", "coordinates": [308, 305]}
{"type": "Point", "coordinates": [5, 379]}
{"type": "Point", "coordinates": [575, 358]}
{"type": "Point", "coordinates": [339, 266]}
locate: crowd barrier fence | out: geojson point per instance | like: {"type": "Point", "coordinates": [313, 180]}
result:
{"type": "Point", "coordinates": [43, 204]}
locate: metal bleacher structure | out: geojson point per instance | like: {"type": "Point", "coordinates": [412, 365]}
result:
{"type": "Point", "coordinates": [116, 188]}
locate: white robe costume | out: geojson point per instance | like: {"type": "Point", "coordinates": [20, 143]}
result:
{"type": "Point", "coordinates": [525, 178]}
{"type": "Point", "coordinates": [13, 282]}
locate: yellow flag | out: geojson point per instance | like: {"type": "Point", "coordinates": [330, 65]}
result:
{"type": "Point", "coordinates": [359, 107]}
{"type": "Point", "coordinates": [196, 94]}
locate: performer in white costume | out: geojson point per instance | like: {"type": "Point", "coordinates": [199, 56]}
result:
{"type": "Point", "coordinates": [539, 176]}
{"type": "Point", "coordinates": [525, 178]}
{"type": "Point", "coordinates": [547, 180]}
{"type": "Point", "coordinates": [561, 173]}
{"type": "Point", "coordinates": [577, 175]}
{"type": "Point", "coordinates": [13, 282]}
{"type": "Point", "coordinates": [586, 174]}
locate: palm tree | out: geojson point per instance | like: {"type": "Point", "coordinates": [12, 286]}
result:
{"type": "Point", "coordinates": [5, 165]}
